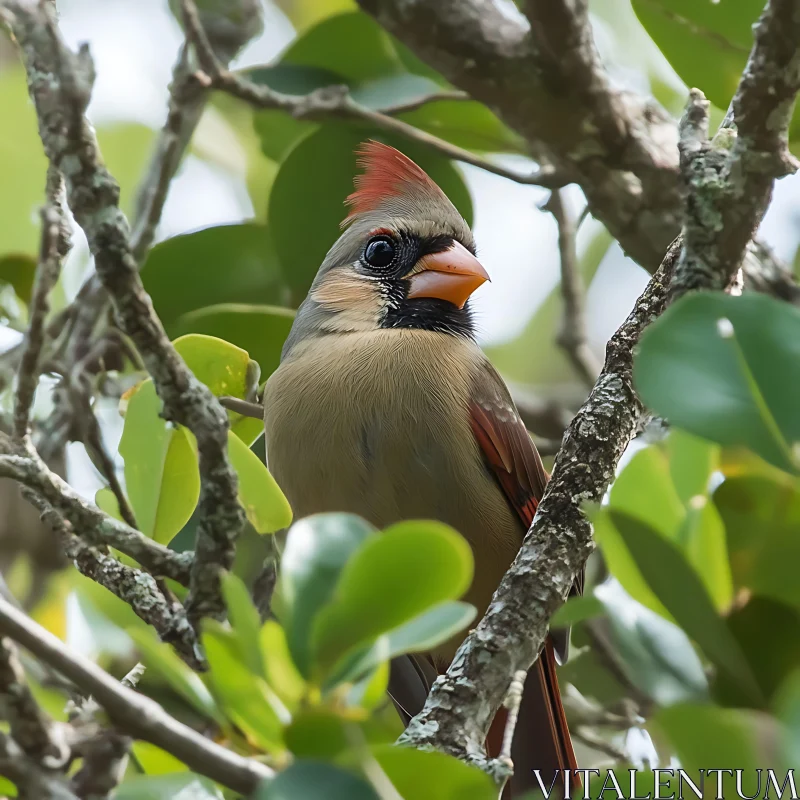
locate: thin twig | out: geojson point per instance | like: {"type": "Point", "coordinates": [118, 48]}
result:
{"type": "Point", "coordinates": [31, 728]}
{"type": "Point", "coordinates": [572, 334]}
{"type": "Point", "coordinates": [134, 713]}
{"type": "Point", "coordinates": [53, 248]}
{"type": "Point", "coordinates": [51, 491]}
{"type": "Point", "coordinates": [336, 102]}
{"type": "Point", "coordinates": [60, 85]}
{"type": "Point", "coordinates": [135, 587]}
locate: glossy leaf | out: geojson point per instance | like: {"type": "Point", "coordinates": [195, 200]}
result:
{"type": "Point", "coordinates": [164, 661]}
{"type": "Point", "coordinates": [317, 548]}
{"type": "Point", "coordinates": [260, 330]}
{"type": "Point", "coordinates": [706, 43]}
{"type": "Point", "coordinates": [656, 655]}
{"type": "Point", "coordinates": [245, 622]}
{"type": "Point", "coordinates": [264, 503]}
{"type": "Point", "coordinates": [221, 264]}
{"type": "Point", "coordinates": [433, 776]}
{"type": "Point", "coordinates": [304, 780]}
{"type": "Point", "coordinates": [227, 370]}
{"type": "Point", "coordinates": [281, 672]}
{"type": "Point", "coordinates": [726, 368]}
{"type": "Point", "coordinates": [692, 461]}
{"type": "Point", "coordinates": [678, 587]}
{"type": "Point", "coordinates": [576, 609]}
{"type": "Point", "coordinates": [244, 697]}
{"type": "Point", "coordinates": [758, 621]}
{"type": "Point", "coordinates": [161, 473]}
{"type": "Point", "coordinates": [762, 520]}
{"type": "Point", "coordinates": [310, 189]}
{"type": "Point", "coordinates": [168, 787]}
{"type": "Point", "coordinates": [372, 594]}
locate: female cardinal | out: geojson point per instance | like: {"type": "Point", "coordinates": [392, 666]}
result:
{"type": "Point", "coordinates": [384, 406]}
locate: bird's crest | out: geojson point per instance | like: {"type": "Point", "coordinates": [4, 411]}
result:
{"type": "Point", "coordinates": [387, 173]}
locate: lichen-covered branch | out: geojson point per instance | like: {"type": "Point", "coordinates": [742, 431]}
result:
{"type": "Point", "coordinates": [542, 76]}
{"type": "Point", "coordinates": [60, 84]}
{"type": "Point", "coordinates": [135, 587]}
{"type": "Point", "coordinates": [30, 727]}
{"type": "Point", "coordinates": [134, 713]}
{"type": "Point", "coordinates": [728, 181]}
{"type": "Point", "coordinates": [54, 246]}
{"type": "Point", "coordinates": [461, 704]}
{"type": "Point", "coordinates": [31, 779]}
{"type": "Point", "coordinates": [52, 492]}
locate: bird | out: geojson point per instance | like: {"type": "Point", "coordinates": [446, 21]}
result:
{"type": "Point", "coordinates": [384, 406]}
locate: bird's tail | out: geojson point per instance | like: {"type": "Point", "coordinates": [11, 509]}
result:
{"type": "Point", "coordinates": [542, 743]}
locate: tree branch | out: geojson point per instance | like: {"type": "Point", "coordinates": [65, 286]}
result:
{"type": "Point", "coordinates": [55, 244]}
{"type": "Point", "coordinates": [572, 335]}
{"type": "Point", "coordinates": [335, 102]}
{"type": "Point", "coordinates": [461, 705]}
{"type": "Point", "coordinates": [60, 85]}
{"type": "Point", "coordinates": [134, 713]}
{"type": "Point", "coordinates": [52, 492]}
{"type": "Point", "coordinates": [32, 780]}
{"type": "Point", "coordinates": [546, 82]}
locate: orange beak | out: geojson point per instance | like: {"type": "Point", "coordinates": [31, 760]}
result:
{"type": "Point", "coordinates": [452, 275]}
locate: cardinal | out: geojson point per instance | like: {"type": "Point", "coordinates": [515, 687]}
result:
{"type": "Point", "coordinates": [385, 406]}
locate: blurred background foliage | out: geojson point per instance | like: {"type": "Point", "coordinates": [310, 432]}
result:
{"type": "Point", "coordinates": [685, 646]}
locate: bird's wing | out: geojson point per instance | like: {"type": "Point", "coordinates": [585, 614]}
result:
{"type": "Point", "coordinates": [542, 739]}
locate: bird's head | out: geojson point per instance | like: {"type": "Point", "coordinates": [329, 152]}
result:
{"type": "Point", "coordinates": [406, 258]}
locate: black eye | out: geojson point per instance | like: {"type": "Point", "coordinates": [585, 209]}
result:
{"type": "Point", "coordinates": [379, 252]}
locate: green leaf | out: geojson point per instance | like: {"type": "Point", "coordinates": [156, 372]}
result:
{"type": "Point", "coordinates": [432, 776]}
{"type": "Point", "coordinates": [155, 761]}
{"type": "Point", "coordinates": [281, 673]}
{"type": "Point", "coordinates": [245, 698]}
{"type": "Point", "coordinates": [18, 271]}
{"type": "Point", "coordinates": [163, 660]}
{"type": "Point", "coordinates": [703, 735]}
{"type": "Point", "coordinates": [656, 655]}
{"type": "Point", "coordinates": [762, 620]}
{"type": "Point", "coordinates": [725, 368]}
{"type": "Point", "coordinates": [264, 503]}
{"type": "Point", "coordinates": [106, 501]}
{"type": "Point", "coordinates": [706, 43]}
{"type": "Point", "coordinates": [227, 370]}
{"type": "Point", "coordinates": [312, 184]}
{"type": "Point", "coordinates": [168, 787]}
{"type": "Point", "coordinates": [372, 594]}
{"type": "Point", "coordinates": [305, 780]}
{"type": "Point", "coordinates": [317, 549]}
{"type": "Point", "coordinates": [418, 635]}
{"type": "Point", "coordinates": [161, 473]}
{"type": "Point", "coordinates": [576, 609]}
{"type": "Point", "coordinates": [678, 587]}
{"type": "Point", "coordinates": [691, 463]}
{"type": "Point", "coordinates": [644, 489]}
{"type": "Point", "coordinates": [787, 709]}
{"type": "Point", "coordinates": [222, 264]}
{"type": "Point", "coordinates": [260, 330]}
{"type": "Point", "coordinates": [317, 733]}
{"type": "Point", "coordinates": [762, 518]}
{"type": "Point", "coordinates": [352, 45]}
{"type": "Point", "coordinates": [245, 622]}
{"type": "Point", "coordinates": [467, 124]}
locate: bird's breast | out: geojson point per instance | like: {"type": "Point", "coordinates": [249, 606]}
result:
{"type": "Point", "coordinates": [378, 425]}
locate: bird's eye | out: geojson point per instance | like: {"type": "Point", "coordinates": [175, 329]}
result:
{"type": "Point", "coordinates": [379, 252]}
